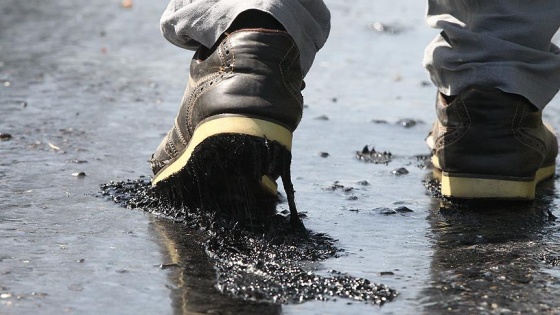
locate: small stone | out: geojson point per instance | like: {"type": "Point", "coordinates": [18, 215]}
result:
{"type": "Point", "coordinates": [386, 211]}
{"type": "Point", "coordinates": [79, 174]}
{"type": "Point", "coordinates": [400, 171]}
{"type": "Point", "coordinates": [403, 209]}
{"type": "Point", "coordinates": [324, 154]}
{"type": "Point", "coordinates": [5, 136]}
{"type": "Point", "coordinates": [378, 121]}
{"type": "Point", "coordinates": [322, 117]}
{"type": "Point", "coordinates": [373, 156]}
{"type": "Point", "coordinates": [407, 123]}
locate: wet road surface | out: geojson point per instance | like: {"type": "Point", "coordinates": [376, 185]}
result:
{"type": "Point", "coordinates": [93, 87]}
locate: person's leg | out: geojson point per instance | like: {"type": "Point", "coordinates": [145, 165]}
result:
{"type": "Point", "coordinates": [232, 136]}
{"type": "Point", "coordinates": [496, 69]}
{"type": "Point", "coordinates": [190, 23]}
{"type": "Point", "coordinates": [504, 44]}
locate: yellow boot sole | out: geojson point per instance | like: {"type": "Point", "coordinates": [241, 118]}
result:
{"type": "Point", "coordinates": [230, 124]}
{"type": "Point", "coordinates": [478, 187]}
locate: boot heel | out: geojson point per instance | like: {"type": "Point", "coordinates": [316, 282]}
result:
{"type": "Point", "coordinates": [475, 188]}
{"type": "Point", "coordinates": [472, 187]}
{"type": "Point", "coordinates": [227, 124]}
{"type": "Point", "coordinates": [230, 167]}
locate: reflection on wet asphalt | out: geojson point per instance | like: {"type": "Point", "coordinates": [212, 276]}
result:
{"type": "Point", "coordinates": [192, 274]}
{"type": "Point", "coordinates": [488, 257]}
{"type": "Point", "coordinates": [87, 91]}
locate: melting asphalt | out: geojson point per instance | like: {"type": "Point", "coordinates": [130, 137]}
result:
{"type": "Point", "coordinates": [269, 265]}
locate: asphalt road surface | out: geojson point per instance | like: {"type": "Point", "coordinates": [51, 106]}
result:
{"type": "Point", "coordinates": [91, 87]}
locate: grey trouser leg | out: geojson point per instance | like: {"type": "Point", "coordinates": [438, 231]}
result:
{"type": "Point", "coordinates": [495, 43]}
{"type": "Point", "coordinates": [190, 23]}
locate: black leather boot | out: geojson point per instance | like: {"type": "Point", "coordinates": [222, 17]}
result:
{"type": "Point", "coordinates": [491, 144]}
{"type": "Point", "coordinates": [233, 134]}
